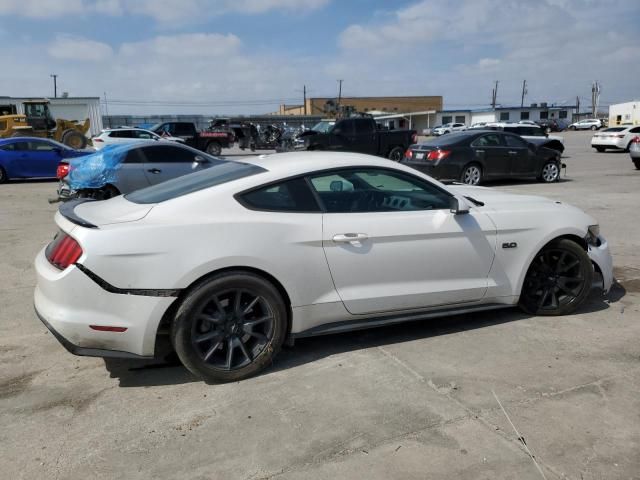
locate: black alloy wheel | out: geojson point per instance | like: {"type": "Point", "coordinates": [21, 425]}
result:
{"type": "Point", "coordinates": [229, 327]}
{"type": "Point", "coordinates": [214, 148]}
{"type": "Point", "coordinates": [396, 154]}
{"type": "Point", "coordinates": [558, 280]}
{"type": "Point", "coordinates": [3, 176]}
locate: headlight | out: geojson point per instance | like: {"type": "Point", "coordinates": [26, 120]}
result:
{"type": "Point", "coordinates": [593, 232]}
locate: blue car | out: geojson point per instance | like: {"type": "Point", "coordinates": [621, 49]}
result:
{"type": "Point", "coordinates": [32, 157]}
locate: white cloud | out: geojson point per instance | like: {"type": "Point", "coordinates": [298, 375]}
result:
{"type": "Point", "coordinates": [488, 62]}
{"type": "Point", "coordinates": [183, 11]}
{"type": "Point", "coordinates": [69, 47]}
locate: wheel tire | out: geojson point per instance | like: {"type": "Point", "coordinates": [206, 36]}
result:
{"type": "Point", "coordinates": [471, 174]}
{"type": "Point", "coordinates": [396, 154]}
{"type": "Point", "coordinates": [541, 283]}
{"type": "Point", "coordinates": [214, 148]}
{"type": "Point", "coordinates": [635, 162]}
{"type": "Point", "coordinates": [212, 321]}
{"type": "Point", "coordinates": [594, 128]}
{"type": "Point", "coordinates": [74, 139]}
{"type": "Point", "coordinates": [628, 147]}
{"type": "Point", "coordinates": [600, 149]}
{"type": "Point", "coordinates": [3, 176]}
{"type": "Point", "coordinates": [572, 128]}
{"type": "Point", "coordinates": [550, 172]}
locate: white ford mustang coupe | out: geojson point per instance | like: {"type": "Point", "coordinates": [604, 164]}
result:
{"type": "Point", "coordinates": [236, 259]}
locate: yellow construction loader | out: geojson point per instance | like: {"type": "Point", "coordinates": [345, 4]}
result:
{"type": "Point", "coordinates": [38, 122]}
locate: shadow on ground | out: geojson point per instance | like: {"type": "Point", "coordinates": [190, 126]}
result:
{"type": "Point", "coordinates": [169, 370]}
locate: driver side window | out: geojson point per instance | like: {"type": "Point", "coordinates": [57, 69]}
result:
{"type": "Point", "coordinates": [376, 190]}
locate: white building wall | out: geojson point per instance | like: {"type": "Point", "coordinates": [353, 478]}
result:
{"type": "Point", "coordinates": [483, 117]}
{"type": "Point", "coordinates": [628, 112]}
{"type": "Point", "coordinates": [79, 109]}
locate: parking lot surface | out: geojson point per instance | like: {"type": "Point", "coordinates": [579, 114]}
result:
{"type": "Point", "coordinates": [412, 401]}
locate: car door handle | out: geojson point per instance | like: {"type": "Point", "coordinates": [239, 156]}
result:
{"type": "Point", "coordinates": [154, 170]}
{"type": "Point", "coordinates": [479, 151]}
{"type": "Point", "coordinates": [511, 152]}
{"type": "Point", "coordinates": [350, 237]}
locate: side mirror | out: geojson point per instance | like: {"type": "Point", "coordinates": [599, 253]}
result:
{"type": "Point", "coordinates": [199, 159]}
{"type": "Point", "coordinates": [458, 206]}
{"type": "Point", "coordinates": [336, 131]}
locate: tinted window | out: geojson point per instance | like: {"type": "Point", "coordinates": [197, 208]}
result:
{"type": "Point", "coordinates": [220, 172]}
{"type": "Point", "coordinates": [290, 196]}
{"type": "Point", "coordinates": [142, 134]}
{"type": "Point", "coordinates": [168, 154]}
{"type": "Point", "coordinates": [134, 156]}
{"type": "Point", "coordinates": [376, 190]}
{"type": "Point", "coordinates": [8, 147]}
{"type": "Point", "coordinates": [40, 146]}
{"type": "Point", "coordinates": [20, 146]}
{"type": "Point", "coordinates": [515, 142]}
{"type": "Point", "coordinates": [524, 115]}
{"type": "Point", "coordinates": [364, 127]}
{"type": "Point", "coordinates": [183, 129]}
{"type": "Point", "coordinates": [491, 140]}
{"type": "Point", "coordinates": [346, 127]}
{"type": "Point", "coordinates": [544, 115]}
{"type": "Point", "coordinates": [122, 134]}
{"type": "Point", "coordinates": [614, 129]}
{"type": "Point", "coordinates": [635, 130]}
{"type": "Point", "coordinates": [504, 115]}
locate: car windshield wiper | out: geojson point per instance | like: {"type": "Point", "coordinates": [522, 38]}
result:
{"type": "Point", "coordinates": [477, 203]}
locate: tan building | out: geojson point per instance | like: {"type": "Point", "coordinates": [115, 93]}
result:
{"type": "Point", "coordinates": [391, 105]}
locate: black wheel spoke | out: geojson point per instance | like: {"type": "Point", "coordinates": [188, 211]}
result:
{"type": "Point", "coordinates": [230, 347]}
{"type": "Point", "coordinates": [260, 336]}
{"type": "Point", "coordinates": [258, 321]}
{"type": "Point", "coordinates": [245, 351]}
{"type": "Point", "coordinates": [248, 308]}
{"type": "Point", "coordinates": [545, 295]}
{"type": "Point", "coordinates": [568, 267]}
{"type": "Point", "coordinates": [209, 318]}
{"type": "Point", "coordinates": [236, 301]}
{"type": "Point", "coordinates": [211, 350]}
{"type": "Point", "coordinates": [219, 306]}
{"type": "Point", "coordinates": [563, 255]}
{"type": "Point", "coordinates": [207, 336]}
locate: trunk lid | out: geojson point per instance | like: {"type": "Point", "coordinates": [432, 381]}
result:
{"type": "Point", "coordinates": [93, 214]}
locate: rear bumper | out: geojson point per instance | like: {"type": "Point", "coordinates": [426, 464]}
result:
{"type": "Point", "coordinates": [619, 143]}
{"type": "Point", "coordinates": [601, 256]}
{"type": "Point", "coordinates": [69, 302]}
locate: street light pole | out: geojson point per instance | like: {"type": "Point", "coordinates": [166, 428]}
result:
{"type": "Point", "coordinates": [55, 85]}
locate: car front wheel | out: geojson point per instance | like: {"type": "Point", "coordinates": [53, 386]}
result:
{"type": "Point", "coordinates": [3, 176]}
{"type": "Point", "coordinates": [550, 172]}
{"type": "Point", "coordinates": [396, 154]}
{"type": "Point", "coordinates": [229, 327]}
{"type": "Point", "coordinates": [558, 280]}
{"type": "Point", "coordinates": [594, 128]}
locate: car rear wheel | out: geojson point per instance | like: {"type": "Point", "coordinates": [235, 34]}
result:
{"type": "Point", "coordinates": [600, 149]}
{"type": "Point", "coordinates": [396, 154]}
{"type": "Point", "coordinates": [558, 280]}
{"type": "Point", "coordinates": [635, 162]}
{"type": "Point", "coordinates": [230, 327]}
{"type": "Point", "coordinates": [594, 128]}
{"type": "Point", "coordinates": [572, 127]}
{"type": "Point", "coordinates": [3, 176]}
{"type": "Point", "coordinates": [471, 175]}
{"type": "Point", "coordinates": [550, 172]}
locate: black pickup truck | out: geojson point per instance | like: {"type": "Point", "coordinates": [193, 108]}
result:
{"type": "Point", "coordinates": [358, 134]}
{"type": "Point", "coordinates": [212, 140]}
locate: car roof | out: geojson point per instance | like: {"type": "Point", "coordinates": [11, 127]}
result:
{"type": "Point", "coordinates": [5, 141]}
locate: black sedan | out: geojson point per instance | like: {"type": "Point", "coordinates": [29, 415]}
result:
{"type": "Point", "coordinates": [474, 156]}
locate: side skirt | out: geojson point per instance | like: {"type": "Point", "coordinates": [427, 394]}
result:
{"type": "Point", "coordinates": [364, 323]}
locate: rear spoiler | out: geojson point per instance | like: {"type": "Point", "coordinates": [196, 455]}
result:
{"type": "Point", "coordinates": [67, 210]}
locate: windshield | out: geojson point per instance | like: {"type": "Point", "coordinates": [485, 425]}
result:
{"type": "Point", "coordinates": [220, 172]}
{"type": "Point", "coordinates": [323, 127]}
{"type": "Point", "coordinates": [154, 127]}
{"type": "Point", "coordinates": [614, 129]}
{"type": "Point", "coordinates": [449, 139]}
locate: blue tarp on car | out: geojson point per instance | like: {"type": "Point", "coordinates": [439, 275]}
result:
{"type": "Point", "coordinates": [98, 169]}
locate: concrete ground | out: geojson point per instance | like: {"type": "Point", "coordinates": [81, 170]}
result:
{"type": "Point", "coordinates": [412, 402]}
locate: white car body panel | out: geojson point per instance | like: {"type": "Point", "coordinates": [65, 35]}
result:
{"type": "Point", "coordinates": [611, 139]}
{"type": "Point", "coordinates": [105, 138]}
{"type": "Point", "coordinates": [412, 261]}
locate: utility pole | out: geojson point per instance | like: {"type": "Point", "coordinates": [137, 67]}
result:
{"type": "Point", "coordinates": [304, 93]}
{"type": "Point", "coordinates": [55, 85]}
{"type": "Point", "coordinates": [494, 95]}
{"type": "Point", "coordinates": [595, 98]}
{"type": "Point", "coordinates": [106, 108]}
{"type": "Point", "coordinates": [577, 105]}
{"type": "Point", "coordinates": [339, 92]}
{"type": "Point", "coordinates": [524, 92]}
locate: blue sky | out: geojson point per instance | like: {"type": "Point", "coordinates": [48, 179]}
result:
{"type": "Point", "coordinates": [246, 56]}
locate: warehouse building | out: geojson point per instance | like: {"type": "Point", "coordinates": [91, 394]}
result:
{"type": "Point", "coordinates": [628, 112]}
{"type": "Point", "coordinates": [534, 112]}
{"type": "Point", "coordinates": [68, 108]}
{"type": "Point", "coordinates": [385, 105]}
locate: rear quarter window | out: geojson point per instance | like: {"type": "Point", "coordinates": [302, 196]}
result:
{"type": "Point", "coordinates": [289, 196]}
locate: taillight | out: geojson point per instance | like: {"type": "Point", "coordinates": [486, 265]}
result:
{"type": "Point", "coordinates": [62, 171]}
{"type": "Point", "coordinates": [99, 140]}
{"type": "Point", "coordinates": [635, 140]}
{"type": "Point", "coordinates": [435, 155]}
{"type": "Point", "coordinates": [63, 251]}
{"type": "Point", "coordinates": [408, 154]}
